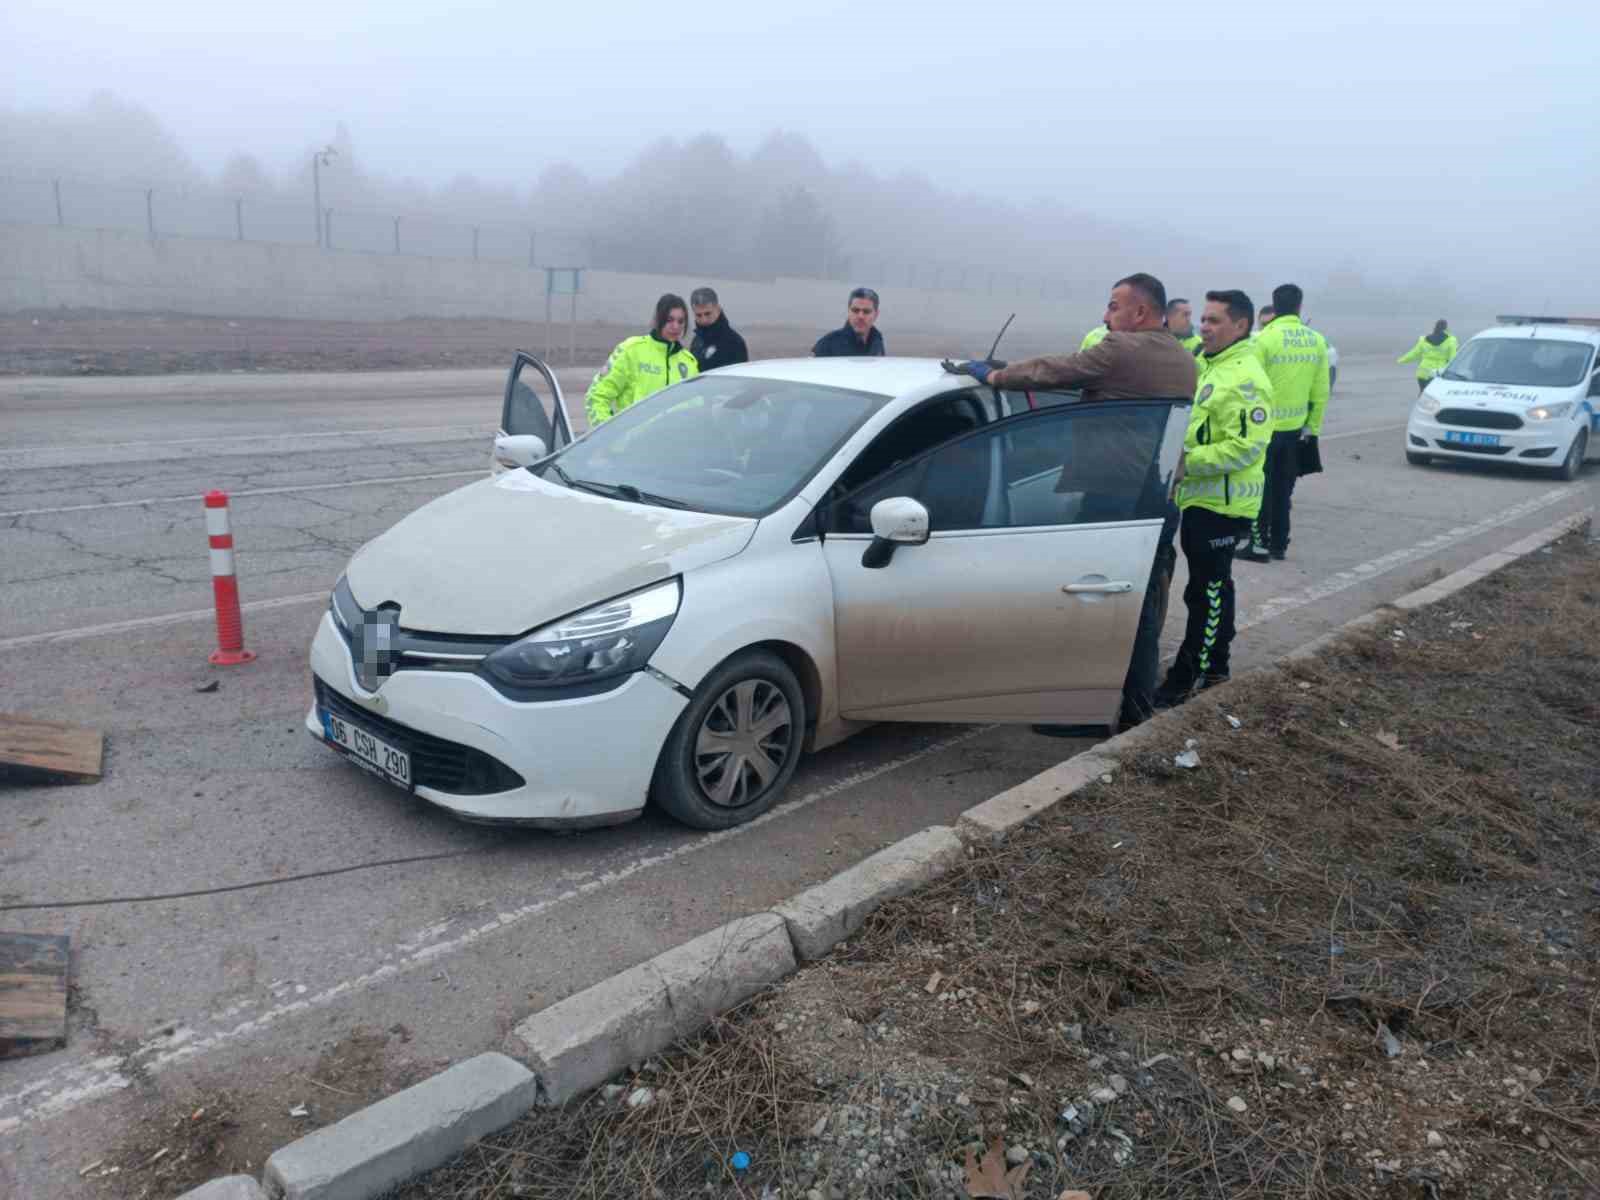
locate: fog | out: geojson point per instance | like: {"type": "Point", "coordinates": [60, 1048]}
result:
{"type": "Point", "coordinates": [1396, 155]}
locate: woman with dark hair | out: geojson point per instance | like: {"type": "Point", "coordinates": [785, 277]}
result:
{"type": "Point", "coordinates": [1432, 353]}
{"type": "Point", "coordinates": [643, 365]}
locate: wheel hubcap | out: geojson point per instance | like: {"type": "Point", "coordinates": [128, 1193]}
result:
{"type": "Point", "coordinates": [743, 743]}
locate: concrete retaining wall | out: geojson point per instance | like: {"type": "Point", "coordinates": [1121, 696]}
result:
{"type": "Point", "coordinates": [49, 267]}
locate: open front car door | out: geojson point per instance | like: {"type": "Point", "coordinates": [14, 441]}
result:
{"type": "Point", "coordinates": [533, 419]}
{"type": "Point", "coordinates": [999, 576]}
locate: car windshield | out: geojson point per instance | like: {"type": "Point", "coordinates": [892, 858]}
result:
{"type": "Point", "coordinates": [1524, 362]}
{"type": "Point", "coordinates": [719, 443]}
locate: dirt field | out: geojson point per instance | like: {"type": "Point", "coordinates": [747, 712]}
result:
{"type": "Point", "coordinates": [1352, 953]}
{"type": "Point", "coordinates": [85, 342]}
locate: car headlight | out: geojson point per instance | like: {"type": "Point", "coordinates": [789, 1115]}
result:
{"type": "Point", "coordinates": [611, 639]}
{"type": "Point", "coordinates": [1428, 404]}
{"type": "Point", "coordinates": [342, 604]}
{"type": "Point", "coordinates": [1549, 412]}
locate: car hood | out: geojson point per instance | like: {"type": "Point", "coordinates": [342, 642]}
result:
{"type": "Point", "coordinates": [505, 555]}
{"type": "Point", "coordinates": [1513, 397]}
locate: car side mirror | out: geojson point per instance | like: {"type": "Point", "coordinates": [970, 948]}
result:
{"type": "Point", "coordinates": [518, 450]}
{"type": "Point", "coordinates": [898, 521]}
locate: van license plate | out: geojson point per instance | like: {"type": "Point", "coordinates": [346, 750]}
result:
{"type": "Point", "coordinates": [1472, 439]}
{"type": "Point", "coordinates": [368, 751]}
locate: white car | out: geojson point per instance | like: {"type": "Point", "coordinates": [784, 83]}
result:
{"type": "Point", "coordinates": [1524, 392]}
{"type": "Point", "coordinates": [753, 563]}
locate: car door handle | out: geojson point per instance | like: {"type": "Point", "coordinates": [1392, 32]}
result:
{"type": "Point", "coordinates": [1113, 586]}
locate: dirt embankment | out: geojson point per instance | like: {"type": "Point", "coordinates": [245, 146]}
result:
{"type": "Point", "coordinates": [1353, 953]}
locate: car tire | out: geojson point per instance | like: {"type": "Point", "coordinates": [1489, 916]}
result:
{"type": "Point", "coordinates": [1573, 463]}
{"type": "Point", "coordinates": [732, 752]}
{"type": "Point", "coordinates": [1418, 460]}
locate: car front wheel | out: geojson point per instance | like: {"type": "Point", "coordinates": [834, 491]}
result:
{"type": "Point", "coordinates": [733, 751]}
{"type": "Point", "coordinates": [1573, 463]}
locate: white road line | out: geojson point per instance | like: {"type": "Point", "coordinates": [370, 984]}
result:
{"type": "Point", "coordinates": [177, 618]}
{"type": "Point", "coordinates": [66, 1087]}
{"type": "Point", "coordinates": [277, 491]}
{"type": "Point", "coordinates": [255, 437]}
{"type": "Point", "coordinates": [1365, 572]}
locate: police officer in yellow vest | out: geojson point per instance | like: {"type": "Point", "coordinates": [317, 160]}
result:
{"type": "Point", "coordinates": [1094, 337]}
{"type": "Point", "coordinates": [1295, 358]}
{"type": "Point", "coordinates": [1432, 353]}
{"type": "Point", "coordinates": [643, 365]}
{"type": "Point", "coordinates": [1180, 324]}
{"type": "Point", "coordinates": [1219, 488]}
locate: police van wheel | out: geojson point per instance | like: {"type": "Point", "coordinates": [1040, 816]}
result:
{"type": "Point", "coordinates": [1573, 463]}
{"type": "Point", "coordinates": [1418, 460]}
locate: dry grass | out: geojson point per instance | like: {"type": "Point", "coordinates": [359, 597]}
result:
{"type": "Point", "coordinates": [1306, 891]}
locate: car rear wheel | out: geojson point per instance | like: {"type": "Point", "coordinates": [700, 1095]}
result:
{"type": "Point", "coordinates": [1573, 463]}
{"type": "Point", "coordinates": [1418, 460]}
{"type": "Point", "coordinates": [733, 751]}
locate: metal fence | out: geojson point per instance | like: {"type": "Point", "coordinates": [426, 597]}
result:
{"type": "Point", "coordinates": [169, 212]}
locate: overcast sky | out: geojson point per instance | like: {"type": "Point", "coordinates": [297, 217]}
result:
{"type": "Point", "coordinates": [1395, 131]}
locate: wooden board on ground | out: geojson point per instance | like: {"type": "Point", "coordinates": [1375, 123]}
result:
{"type": "Point", "coordinates": [33, 993]}
{"type": "Point", "coordinates": [49, 752]}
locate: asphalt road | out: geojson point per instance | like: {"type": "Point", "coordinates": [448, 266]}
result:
{"type": "Point", "coordinates": [105, 621]}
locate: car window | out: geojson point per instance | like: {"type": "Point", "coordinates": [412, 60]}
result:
{"type": "Point", "coordinates": [1014, 403]}
{"type": "Point", "coordinates": [722, 443]}
{"type": "Point", "coordinates": [1521, 362]}
{"type": "Point", "coordinates": [1067, 465]}
{"type": "Point", "coordinates": [924, 427]}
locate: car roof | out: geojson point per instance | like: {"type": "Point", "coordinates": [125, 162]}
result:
{"type": "Point", "coordinates": [1549, 333]}
{"type": "Point", "coordinates": [883, 376]}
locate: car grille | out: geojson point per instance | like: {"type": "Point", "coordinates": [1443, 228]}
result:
{"type": "Point", "coordinates": [436, 763]}
{"type": "Point", "coordinates": [1467, 448]}
{"type": "Point", "coordinates": [1478, 418]}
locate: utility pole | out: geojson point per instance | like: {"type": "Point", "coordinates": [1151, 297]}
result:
{"type": "Point", "coordinates": [320, 159]}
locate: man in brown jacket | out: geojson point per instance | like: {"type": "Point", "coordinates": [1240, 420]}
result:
{"type": "Point", "coordinates": [1138, 360]}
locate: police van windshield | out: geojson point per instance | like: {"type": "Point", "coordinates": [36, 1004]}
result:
{"type": "Point", "coordinates": [1523, 362]}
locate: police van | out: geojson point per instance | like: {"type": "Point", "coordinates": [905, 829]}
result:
{"type": "Point", "coordinates": [1525, 392]}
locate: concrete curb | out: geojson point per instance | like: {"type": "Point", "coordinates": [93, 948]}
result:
{"type": "Point", "coordinates": [997, 816]}
{"type": "Point", "coordinates": [592, 1036]}
{"type": "Point", "coordinates": [229, 1187]}
{"type": "Point", "coordinates": [405, 1134]}
{"type": "Point", "coordinates": [819, 918]}
{"type": "Point", "coordinates": [587, 1038]}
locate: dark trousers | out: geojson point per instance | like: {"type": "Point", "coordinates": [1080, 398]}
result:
{"type": "Point", "coordinates": [1139, 688]}
{"type": "Point", "coordinates": [1271, 530]}
{"type": "Point", "coordinates": [1208, 540]}
{"type": "Point", "coordinates": [1422, 385]}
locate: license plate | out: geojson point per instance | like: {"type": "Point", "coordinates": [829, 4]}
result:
{"type": "Point", "coordinates": [368, 751]}
{"type": "Point", "coordinates": [1472, 439]}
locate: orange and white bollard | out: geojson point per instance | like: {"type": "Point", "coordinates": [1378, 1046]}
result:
{"type": "Point", "coordinates": [225, 585]}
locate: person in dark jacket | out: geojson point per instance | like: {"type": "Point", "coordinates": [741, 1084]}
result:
{"type": "Point", "coordinates": [860, 336]}
{"type": "Point", "coordinates": [716, 343]}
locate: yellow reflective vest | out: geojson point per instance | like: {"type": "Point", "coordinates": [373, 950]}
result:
{"type": "Point", "coordinates": [1431, 359]}
{"type": "Point", "coordinates": [1191, 344]}
{"type": "Point", "coordinates": [1094, 337]}
{"type": "Point", "coordinates": [1295, 358]}
{"type": "Point", "coordinates": [638, 367]}
{"type": "Point", "coordinates": [1225, 448]}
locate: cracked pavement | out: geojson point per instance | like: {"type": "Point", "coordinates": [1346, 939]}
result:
{"type": "Point", "coordinates": [211, 790]}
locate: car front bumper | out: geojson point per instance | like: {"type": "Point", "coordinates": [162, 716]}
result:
{"type": "Point", "coordinates": [1542, 444]}
{"type": "Point", "coordinates": [582, 762]}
